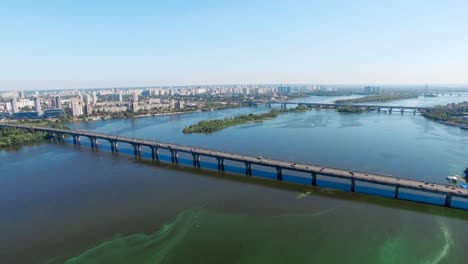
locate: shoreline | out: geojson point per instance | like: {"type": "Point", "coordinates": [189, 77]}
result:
{"type": "Point", "coordinates": [164, 114]}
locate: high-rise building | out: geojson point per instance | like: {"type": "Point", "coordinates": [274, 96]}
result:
{"type": "Point", "coordinates": [284, 89]}
{"type": "Point", "coordinates": [371, 90]}
{"type": "Point", "coordinates": [37, 106]}
{"type": "Point", "coordinates": [87, 99]}
{"type": "Point", "coordinates": [14, 105]}
{"type": "Point", "coordinates": [88, 109]}
{"type": "Point", "coordinates": [118, 97]}
{"type": "Point", "coordinates": [172, 103]}
{"type": "Point", "coordinates": [77, 107]}
{"type": "Point", "coordinates": [95, 99]}
{"type": "Point", "coordinates": [180, 104]}
{"type": "Point", "coordinates": [58, 102]}
{"type": "Point", "coordinates": [21, 94]}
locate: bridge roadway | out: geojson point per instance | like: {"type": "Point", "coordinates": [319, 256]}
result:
{"type": "Point", "coordinates": [447, 190]}
{"type": "Point", "coordinates": [333, 105]}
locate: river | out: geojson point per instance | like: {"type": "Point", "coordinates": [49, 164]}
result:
{"type": "Point", "coordinates": [61, 203]}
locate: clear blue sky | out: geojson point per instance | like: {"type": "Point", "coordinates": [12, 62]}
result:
{"type": "Point", "coordinates": [77, 44]}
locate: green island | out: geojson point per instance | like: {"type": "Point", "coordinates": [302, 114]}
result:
{"type": "Point", "coordinates": [450, 114]}
{"type": "Point", "coordinates": [12, 137]}
{"type": "Point", "coordinates": [378, 98]}
{"type": "Point", "coordinates": [351, 109]}
{"type": "Point", "coordinates": [210, 126]}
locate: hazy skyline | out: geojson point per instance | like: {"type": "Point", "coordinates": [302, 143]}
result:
{"type": "Point", "coordinates": [85, 44]}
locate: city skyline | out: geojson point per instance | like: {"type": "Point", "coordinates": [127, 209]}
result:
{"type": "Point", "coordinates": [54, 45]}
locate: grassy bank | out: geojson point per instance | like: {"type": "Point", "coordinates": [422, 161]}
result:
{"type": "Point", "coordinates": [451, 114]}
{"type": "Point", "coordinates": [378, 98]}
{"type": "Point", "coordinates": [12, 137]}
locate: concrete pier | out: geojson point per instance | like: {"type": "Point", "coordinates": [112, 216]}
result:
{"type": "Point", "coordinates": [94, 142]}
{"type": "Point", "coordinates": [314, 179]}
{"type": "Point", "coordinates": [397, 191]}
{"type": "Point", "coordinates": [76, 139]}
{"type": "Point", "coordinates": [174, 156]}
{"type": "Point", "coordinates": [448, 201]}
{"type": "Point", "coordinates": [137, 150]}
{"type": "Point", "coordinates": [154, 153]}
{"type": "Point", "coordinates": [279, 173]}
{"type": "Point", "coordinates": [248, 168]}
{"type": "Point", "coordinates": [220, 164]}
{"type": "Point", "coordinates": [114, 146]}
{"type": "Point", "coordinates": [196, 160]}
{"type": "Point", "coordinates": [353, 185]}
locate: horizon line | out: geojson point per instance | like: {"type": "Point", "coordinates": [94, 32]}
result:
{"type": "Point", "coordinates": [440, 85]}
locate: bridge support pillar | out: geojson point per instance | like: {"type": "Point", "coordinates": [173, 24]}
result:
{"type": "Point", "coordinates": [94, 142]}
{"type": "Point", "coordinates": [196, 160]}
{"type": "Point", "coordinates": [314, 179]}
{"type": "Point", "coordinates": [76, 139]}
{"type": "Point", "coordinates": [51, 136]}
{"type": "Point", "coordinates": [174, 156]}
{"type": "Point", "coordinates": [154, 153]}
{"type": "Point", "coordinates": [402, 110]}
{"type": "Point", "coordinates": [114, 146]}
{"type": "Point", "coordinates": [279, 174]}
{"type": "Point", "coordinates": [378, 109]}
{"type": "Point", "coordinates": [397, 191]}
{"type": "Point", "coordinates": [137, 150]}
{"type": "Point", "coordinates": [248, 168]}
{"type": "Point", "coordinates": [390, 110]}
{"type": "Point", "coordinates": [220, 164]}
{"type": "Point", "coordinates": [60, 137]}
{"type": "Point", "coordinates": [448, 201]}
{"type": "Point", "coordinates": [353, 185]}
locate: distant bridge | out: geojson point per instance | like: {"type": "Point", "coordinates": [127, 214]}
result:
{"type": "Point", "coordinates": [368, 107]}
{"type": "Point", "coordinates": [279, 165]}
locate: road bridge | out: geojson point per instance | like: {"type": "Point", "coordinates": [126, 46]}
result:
{"type": "Point", "coordinates": [368, 107]}
{"type": "Point", "coordinates": [448, 191]}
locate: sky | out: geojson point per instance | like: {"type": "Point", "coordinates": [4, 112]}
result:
{"type": "Point", "coordinates": [92, 44]}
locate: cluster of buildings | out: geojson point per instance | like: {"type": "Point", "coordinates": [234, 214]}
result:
{"type": "Point", "coordinates": [88, 102]}
{"type": "Point", "coordinates": [26, 108]}
{"type": "Point", "coordinates": [371, 90]}
{"type": "Point", "coordinates": [72, 103]}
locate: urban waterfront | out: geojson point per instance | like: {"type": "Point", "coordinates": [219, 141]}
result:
{"type": "Point", "coordinates": [60, 200]}
{"type": "Point", "coordinates": [167, 132]}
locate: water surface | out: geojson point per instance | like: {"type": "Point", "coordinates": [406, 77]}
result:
{"type": "Point", "coordinates": [66, 204]}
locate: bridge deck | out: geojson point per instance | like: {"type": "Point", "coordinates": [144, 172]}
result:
{"type": "Point", "coordinates": [346, 104]}
{"type": "Point", "coordinates": [286, 165]}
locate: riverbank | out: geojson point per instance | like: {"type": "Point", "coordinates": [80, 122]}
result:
{"type": "Point", "coordinates": [210, 126]}
{"type": "Point", "coordinates": [128, 114]}
{"type": "Point", "coordinates": [11, 137]}
{"type": "Point", "coordinates": [379, 98]}
{"type": "Point", "coordinates": [450, 114]}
